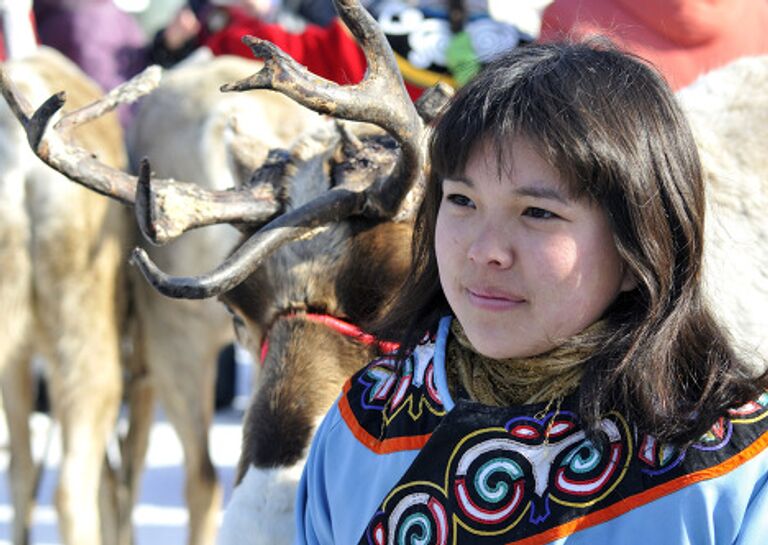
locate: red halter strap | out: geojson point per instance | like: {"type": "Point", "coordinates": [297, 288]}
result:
{"type": "Point", "coordinates": [337, 324]}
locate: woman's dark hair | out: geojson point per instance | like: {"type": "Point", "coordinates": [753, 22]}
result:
{"type": "Point", "coordinates": [613, 129]}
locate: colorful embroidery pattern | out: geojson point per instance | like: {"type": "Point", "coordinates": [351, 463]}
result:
{"type": "Point", "coordinates": [502, 477]}
{"type": "Point", "coordinates": [540, 478]}
{"type": "Point", "coordinates": [392, 405]}
{"type": "Point", "coordinates": [660, 458]}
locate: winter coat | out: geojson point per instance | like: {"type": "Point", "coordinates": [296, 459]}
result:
{"type": "Point", "coordinates": [683, 38]}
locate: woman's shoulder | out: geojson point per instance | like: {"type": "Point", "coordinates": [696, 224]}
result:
{"type": "Point", "coordinates": [737, 437]}
{"type": "Point", "coordinates": [557, 480]}
{"type": "Point", "coordinates": [393, 403]}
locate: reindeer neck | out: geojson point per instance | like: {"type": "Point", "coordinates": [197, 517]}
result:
{"type": "Point", "coordinates": [18, 30]}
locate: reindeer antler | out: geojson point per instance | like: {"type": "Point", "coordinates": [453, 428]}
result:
{"type": "Point", "coordinates": [156, 201]}
{"type": "Point", "coordinates": [361, 102]}
{"type": "Point", "coordinates": [166, 208]}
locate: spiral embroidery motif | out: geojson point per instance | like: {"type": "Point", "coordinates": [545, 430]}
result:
{"type": "Point", "coordinates": [505, 477]}
{"type": "Point", "coordinates": [418, 517]}
{"type": "Point", "coordinates": [489, 484]}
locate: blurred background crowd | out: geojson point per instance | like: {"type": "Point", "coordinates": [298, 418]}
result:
{"type": "Point", "coordinates": [434, 40]}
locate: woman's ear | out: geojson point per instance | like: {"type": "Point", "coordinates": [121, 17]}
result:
{"type": "Point", "coordinates": [628, 280]}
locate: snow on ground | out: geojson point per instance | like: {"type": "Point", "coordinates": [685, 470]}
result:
{"type": "Point", "coordinates": [160, 518]}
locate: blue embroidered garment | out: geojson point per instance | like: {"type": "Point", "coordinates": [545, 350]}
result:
{"type": "Point", "coordinates": [396, 461]}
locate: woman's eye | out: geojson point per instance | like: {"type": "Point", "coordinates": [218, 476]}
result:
{"type": "Point", "coordinates": [459, 200]}
{"type": "Point", "coordinates": [539, 213]}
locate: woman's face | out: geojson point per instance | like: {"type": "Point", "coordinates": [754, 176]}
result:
{"type": "Point", "coordinates": [523, 265]}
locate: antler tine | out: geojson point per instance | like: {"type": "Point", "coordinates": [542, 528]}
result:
{"type": "Point", "coordinates": [166, 209]}
{"type": "Point", "coordinates": [34, 122]}
{"type": "Point", "coordinates": [362, 102]}
{"type": "Point", "coordinates": [138, 86]}
{"type": "Point", "coordinates": [74, 162]}
{"type": "Point", "coordinates": [192, 205]}
{"type": "Point", "coordinates": [18, 104]}
{"type": "Point", "coordinates": [304, 222]}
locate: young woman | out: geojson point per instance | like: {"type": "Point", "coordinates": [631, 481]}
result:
{"type": "Point", "coordinates": [572, 384]}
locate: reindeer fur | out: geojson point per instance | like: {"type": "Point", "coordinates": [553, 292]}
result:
{"type": "Point", "coordinates": [349, 270]}
{"type": "Point", "coordinates": [63, 292]}
{"type": "Point", "coordinates": [57, 259]}
{"type": "Point", "coordinates": [728, 111]}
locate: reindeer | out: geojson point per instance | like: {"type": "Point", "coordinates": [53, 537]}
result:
{"type": "Point", "coordinates": [728, 112]}
{"type": "Point", "coordinates": [367, 252]}
{"type": "Point", "coordinates": [64, 292]}
{"type": "Point", "coordinates": [326, 242]}
{"type": "Point", "coordinates": [220, 138]}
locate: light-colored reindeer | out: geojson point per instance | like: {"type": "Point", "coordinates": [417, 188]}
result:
{"type": "Point", "coordinates": [331, 256]}
{"type": "Point", "coordinates": [728, 111]}
{"type": "Point", "coordinates": [64, 294]}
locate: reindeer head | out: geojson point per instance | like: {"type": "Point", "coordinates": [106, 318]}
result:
{"type": "Point", "coordinates": [286, 310]}
{"type": "Point", "coordinates": [326, 228]}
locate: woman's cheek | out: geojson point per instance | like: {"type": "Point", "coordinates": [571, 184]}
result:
{"type": "Point", "coordinates": [559, 257]}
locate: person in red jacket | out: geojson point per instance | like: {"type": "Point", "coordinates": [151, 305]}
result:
{"type": "Point", "coordinates": [436, 41]}
{"type": "Point", "coordinates": [329, 51]}
{"type": "Point", "coordinates": [682, 38]}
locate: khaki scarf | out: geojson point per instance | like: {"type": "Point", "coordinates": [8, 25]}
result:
{"type": "Point", "coordinates": [516, 381]}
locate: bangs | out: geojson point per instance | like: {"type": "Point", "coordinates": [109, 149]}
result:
{"type": "Point", "coordinates": [560, 100]}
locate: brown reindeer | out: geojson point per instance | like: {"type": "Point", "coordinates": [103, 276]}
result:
{"type": "Point", "coordinates": [327, 241]}
{"type": "Point", "coordinates": [190, 131]}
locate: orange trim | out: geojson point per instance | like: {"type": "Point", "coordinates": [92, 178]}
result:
{"type": "Point", "coordinates": [387, 446]}
{"type": "Point", "coordinates": [617, 509]}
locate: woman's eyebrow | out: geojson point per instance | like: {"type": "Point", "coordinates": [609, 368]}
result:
{"type": "Point", "coordinates": [539, 192]}
{"type": "Point", "coordinates": [534, 191]}
{"type": "Point", "coordinates": [459, 179]}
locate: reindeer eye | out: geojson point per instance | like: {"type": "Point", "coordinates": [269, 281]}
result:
{"type": "Point", "coordinates": [238, 321]}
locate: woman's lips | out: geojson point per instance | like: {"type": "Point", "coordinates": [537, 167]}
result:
{"type": "Point", "coordinates": [494, 300]}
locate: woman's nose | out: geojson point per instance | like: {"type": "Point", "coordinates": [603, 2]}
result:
{"type": "Point", "coordinates": [490, 246]}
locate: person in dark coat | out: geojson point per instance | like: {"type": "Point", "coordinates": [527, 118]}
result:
{"type": "Point", "coordinates": [107, 43]}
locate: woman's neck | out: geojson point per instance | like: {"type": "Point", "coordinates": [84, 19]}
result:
{"type": "Point", "coordinates": [516, 381]}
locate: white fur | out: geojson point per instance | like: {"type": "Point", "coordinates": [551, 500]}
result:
{"type": "Point", "coordinates": [728, 112]}
{"type": "Point", "coordinates": [261, 510]}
